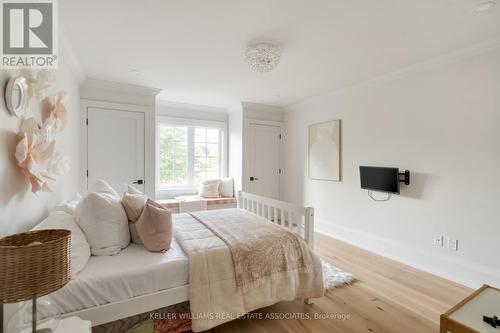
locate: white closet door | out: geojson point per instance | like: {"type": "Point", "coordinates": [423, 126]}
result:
{"type": "Point", "coordinates": [115, 144]}
{"type": "Point", "coordinates": [264, 160]}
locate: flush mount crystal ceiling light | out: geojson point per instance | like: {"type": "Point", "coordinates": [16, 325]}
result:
{"type": "Point", "coordinates": [262, 57]}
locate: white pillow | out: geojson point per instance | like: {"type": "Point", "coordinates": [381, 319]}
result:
{"type": "Point", "coordinates": [211, 181]}
{"type": "Point", "coordinates": [226, 187]}
{"type": "Point", "coordinates": [134, 205]}
{"type": "Point", "coordinates": [80, 249]}
{"type": "Point", "coordinates": [70, 206]}
{"type": "Point", "coordinates": [103, 187]}
{"type": "Point", "coordinates": [132, 190]}
{"type": "Point", "coordinates": [104, 221]}
{"type": "Point", "coordinates": [209, 188]}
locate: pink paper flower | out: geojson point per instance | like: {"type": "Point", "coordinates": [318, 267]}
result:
{"type": "Point", "coordinates": [57, 114]}
{"type": "Point", "coordinates": [37, 156]}
{"type": "Point", "coordinates": [41, 84]}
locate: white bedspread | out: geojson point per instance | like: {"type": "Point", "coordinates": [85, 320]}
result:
{"type": "Point", "coordinates": [131, 273]}
{"type": "Point", "coordinates": [213, 295]}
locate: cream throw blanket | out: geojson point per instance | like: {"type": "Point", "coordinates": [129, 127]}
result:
{"type": "Point", "coordinates": [280, 248]}
{"type": "Point", "coordinates": [215, 294]}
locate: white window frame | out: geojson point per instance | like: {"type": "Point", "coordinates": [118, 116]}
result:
{"type": "Point", "coordinates": [171, 191]}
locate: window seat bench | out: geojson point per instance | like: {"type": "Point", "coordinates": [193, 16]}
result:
{"type": "Point", "coordinates": [212, 203]}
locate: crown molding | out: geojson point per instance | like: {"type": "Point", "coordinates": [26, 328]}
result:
{"type": "Point", "coordinates": [118, 87]}
{"type": "Point", "coordinates": [261, 107]}
{"type": "Point", "coordinates": [189, 106]}
{"type": "Point", "coordinates": [436, 62]}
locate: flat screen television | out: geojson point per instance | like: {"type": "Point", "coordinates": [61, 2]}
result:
{"type": "Point", "coordinates": [379, 179]}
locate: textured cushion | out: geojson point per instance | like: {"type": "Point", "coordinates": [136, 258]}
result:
{"type": "Point", "coordinates": [133, 190]}
{"type": "Point", "coordinates": [211, 181]}
{"type": "Point", "coordinates": [80, 249]}
{"type": "Point", "coordinates": [103, 187]}
{"type": "Point", "coordinates": [210, 188]}
{"type": "Point", "coordinates": [226, 187]}
{"type": "Point", "coordinates": [134, 204]}
{"type": "Point", "coordinates": [133, 234]}
{"type": "Point", "coordinates": [155, 204]}
{"type": "Point", "coordinates": [70, 206]}
{"type": "Point", "coordinates": [154, 227]}
{"type": "Point", "coordinates": [103, 220]}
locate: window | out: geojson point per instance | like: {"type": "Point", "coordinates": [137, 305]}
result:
{"type": "Point", "coordinates": [206, 154]}
{"type": "Point", "coordinates": [173, 155]}
{"type": "Point", "coordinates": [189, 152]}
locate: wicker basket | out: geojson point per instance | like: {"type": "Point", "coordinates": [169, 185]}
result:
{"type": "Point", "coordinates": [34, 264]}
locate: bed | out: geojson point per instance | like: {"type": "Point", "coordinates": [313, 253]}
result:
{"type": "Point", "coordinates": [136, 281]}
{"type": "Point", "coordinates": [103, 290]}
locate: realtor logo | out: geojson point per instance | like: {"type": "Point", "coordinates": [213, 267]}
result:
{"type": "Point", "coordinates": [29, 38]}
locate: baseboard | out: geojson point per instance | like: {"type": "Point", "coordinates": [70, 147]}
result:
{"type": "Point", "coordinates": [463, 272]}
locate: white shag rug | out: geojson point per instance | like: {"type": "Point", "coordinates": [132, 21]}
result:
{"type": "Point", "coordinates": [334, 277]}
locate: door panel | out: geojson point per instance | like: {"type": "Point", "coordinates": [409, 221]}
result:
{"type": "Point", "coordinates": [115, 144]}
{"type": "Point", "coordinates": [264, 160]}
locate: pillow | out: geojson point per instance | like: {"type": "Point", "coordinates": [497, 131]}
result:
{"type": "Point", "coordinates": [104, 187]}
{"type": "Point", "coordinates": [155, 204]}
{"type": "Point", "coordinates": [80, 249]}
{"type": "Point", "coordinates": [70, 206]}
{"type": "Point", "coordinates": [209, 188]}
{"type": "Point", "coordinates": [133, 190]}
{"type": "Point", "coordinates": [226, 188]}
{"type": "Point", "coordinates": [134, 202]}
{"type": "Point", "coordinates": [154, 227]}
{"type": "Point", "coordinates": [133, 234]}
{"type": "Point", "coordinates": [211, 181]}
{"type": "Point", "coordinates": [104, 221]}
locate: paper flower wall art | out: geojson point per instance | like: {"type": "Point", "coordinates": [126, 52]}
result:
{"type": "Point", "coordinates": [56, 119]}
{"type": "Point", "coordinates": [41, 84]}
{"type": "Point", "coordinates": [37, 156]}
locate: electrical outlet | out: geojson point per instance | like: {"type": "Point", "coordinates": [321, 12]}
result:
{"type": "Point", "coordinates": [453, 244]}
{"type": "Point", "coordinates": [438, 241]}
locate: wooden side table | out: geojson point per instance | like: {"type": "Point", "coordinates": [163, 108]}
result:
{"type": "Point", "coordinates": [467, 316]}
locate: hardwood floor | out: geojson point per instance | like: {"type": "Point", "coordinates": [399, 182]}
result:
{"type": "Point", "coordinates": [387, 297]}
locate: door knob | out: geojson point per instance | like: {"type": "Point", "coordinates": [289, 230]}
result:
{"type": "Point", "coordinates": [253, 178]}
{"type": "Point", "coordinates": [138, 181]}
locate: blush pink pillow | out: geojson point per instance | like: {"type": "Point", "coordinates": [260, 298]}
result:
{"type": "Point", "coordinates": [154, 227]}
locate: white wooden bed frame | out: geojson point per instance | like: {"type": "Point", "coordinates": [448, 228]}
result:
{"type": "Point", "coordinates": [299, 220]}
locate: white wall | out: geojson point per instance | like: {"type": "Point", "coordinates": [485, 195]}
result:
{"type": "Point", "coordinates": [235, 125]}
{"type": "Point", "coordinates": [442, 125]}
{"type": "Point", "coordinates": [19, 208]}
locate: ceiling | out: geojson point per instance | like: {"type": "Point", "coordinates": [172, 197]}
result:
{"type": "Point", "coordinates": [193, 50]}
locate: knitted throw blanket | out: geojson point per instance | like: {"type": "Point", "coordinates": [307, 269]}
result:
{"type": "Point", "coordinates": [260, 250]}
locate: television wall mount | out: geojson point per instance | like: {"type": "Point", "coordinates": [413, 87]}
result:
{"type": "Point", "coordinates": [404, 177]}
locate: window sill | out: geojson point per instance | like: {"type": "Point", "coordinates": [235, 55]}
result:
{"type": "Point", "coordinates": [174, 204]}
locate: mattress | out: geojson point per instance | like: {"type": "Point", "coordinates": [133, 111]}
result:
{"type": "Point", "coordinates": [106, 279]}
